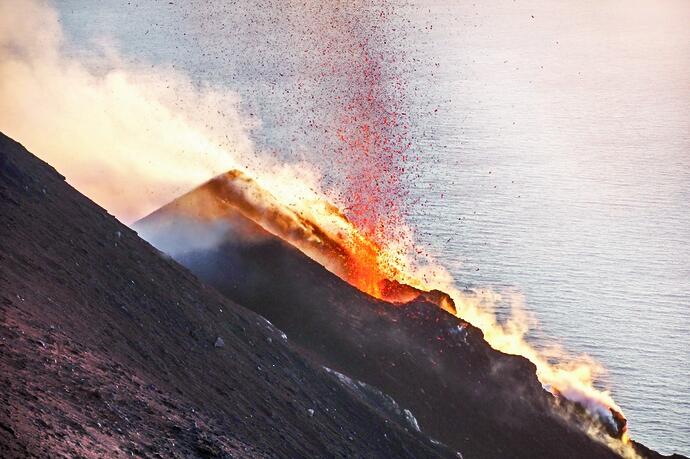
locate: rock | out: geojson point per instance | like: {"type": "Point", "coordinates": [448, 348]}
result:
{"type": "Point", "coordinates": [310, 412]}
{"type": "Point", "coordinates": [219, 342]}
{"type": "Point", "coordinates": [411, 420]}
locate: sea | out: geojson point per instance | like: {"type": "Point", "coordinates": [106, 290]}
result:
{"type": "Point", "coordinates": [551, 149]}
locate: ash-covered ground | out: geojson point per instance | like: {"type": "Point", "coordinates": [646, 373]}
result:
{"type": "Point", "coordinates": [109, 349]}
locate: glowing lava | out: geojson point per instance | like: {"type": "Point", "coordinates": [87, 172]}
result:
{"type": "Point", "coordinates": [315, 227]}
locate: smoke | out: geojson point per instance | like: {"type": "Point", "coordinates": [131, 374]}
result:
{"type": "Point", "coordinates": [130, 137]}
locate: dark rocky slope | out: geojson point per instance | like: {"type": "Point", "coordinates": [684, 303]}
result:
{"type": "Point", "coordinates": [108, 349]}
{"type": "Point", "coordinates": [480, 401]}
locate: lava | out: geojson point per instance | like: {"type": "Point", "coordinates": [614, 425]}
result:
{"type": "Point", "coordinates": [318, 229]}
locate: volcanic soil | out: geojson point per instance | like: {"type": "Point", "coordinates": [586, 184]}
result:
{"type": "Point", "coordinates": [110, 349]}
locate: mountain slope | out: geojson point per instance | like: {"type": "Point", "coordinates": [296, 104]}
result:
{"type": "Point", "coordinates": [109, 349]}
{"type": "Point", "coordinates": [464, 393]}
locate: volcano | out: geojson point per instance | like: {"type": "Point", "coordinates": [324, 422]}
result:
{"type": "Point", "coordinates": [462, 392]}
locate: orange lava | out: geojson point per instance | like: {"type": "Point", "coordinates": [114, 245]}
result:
{"type": "Point", "coordinates": [318, 229]}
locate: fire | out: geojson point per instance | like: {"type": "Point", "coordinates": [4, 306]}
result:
{"type": "Point", "coordinates": [388, 272]}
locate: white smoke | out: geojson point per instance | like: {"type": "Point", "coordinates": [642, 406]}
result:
{"type": "Point", "coordinates": [130, 137]}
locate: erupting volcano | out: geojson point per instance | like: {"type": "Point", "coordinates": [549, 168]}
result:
{"type": "Point", "coordinates": [363, 240]}
{"type": "Point", "coordinates": [278, 302]}
{"type": "Point", "coordinates": [206, 228]}
{"type": "Point", "coordinates": [116, 349]}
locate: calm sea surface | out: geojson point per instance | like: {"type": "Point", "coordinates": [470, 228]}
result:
{"type": "Point", "coordinates": [555, 144]}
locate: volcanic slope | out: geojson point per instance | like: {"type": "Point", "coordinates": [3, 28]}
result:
{"type": "Point", "coordinates": [109, 349]}
{"type": "Point", "coordinates": [484, 403]}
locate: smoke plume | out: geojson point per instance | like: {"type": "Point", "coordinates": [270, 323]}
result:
{"type": "Point", "coordinates": [131, 138]}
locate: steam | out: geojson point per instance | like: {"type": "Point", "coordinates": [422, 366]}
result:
{"type": "Point", "coordinates": [131, 138]}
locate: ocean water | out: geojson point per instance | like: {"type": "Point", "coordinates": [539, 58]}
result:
{"type": "Point", "coordinates": [554, 145]}
{"type": "Point", "coordinates": [566, 158]}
